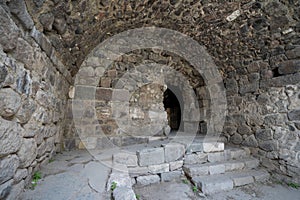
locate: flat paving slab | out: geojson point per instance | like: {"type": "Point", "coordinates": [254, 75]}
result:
{"type": "Point", "coordinates": [71, 175]}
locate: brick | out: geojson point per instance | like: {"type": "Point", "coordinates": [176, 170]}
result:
{"type": "Point", "coordinates": [169, 176]}
{"type": "Point", "coordinates": [173, 152]}
{"type": "Point", "coordinates": [151, 156]}
{"type": "Point", "coordinates": [147, 180]}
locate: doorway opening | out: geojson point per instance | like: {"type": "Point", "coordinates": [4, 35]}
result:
{"type": "Point", "coordinates": [173, 109]}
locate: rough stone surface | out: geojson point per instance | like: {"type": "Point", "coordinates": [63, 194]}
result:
{"type": "Point", "coordinates": [155, 169]}
{"type": "Point", "coordinates": [27, 152]}
{"type": "Point", "coordinates": [147, 180]}
{"type": "Point", "coordinates": [123, 193]}
{"type": "Point", "coordinates": [176, 165]}
{"type": "Point", "coordinates": [170, 176]}
{"type": "Point", "coordinates": [126, 159]}
{"type": "Point", "coordinates": [151, 156]}
{"type": "Point", "coordinates": [10, 102]}
{"type": "Point", "coordinates": [10, 137]}
{"type": "Point", "coordinates": [8, 167]}
{"type": "Point", "coordinates": [173, 152]}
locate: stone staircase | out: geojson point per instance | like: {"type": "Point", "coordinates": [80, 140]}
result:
{"type": "Point", "coordinates": [205, 162]}
{"type": "Point", "coordinates": [213, 168]}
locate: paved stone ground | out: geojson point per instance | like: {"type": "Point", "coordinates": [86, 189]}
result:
{"type": "Point", "coordinates": [72, 175]}
{"type": "Point", "coordinates": [178, 190]}
{"type": "Point", "coordinates": [78, 175]}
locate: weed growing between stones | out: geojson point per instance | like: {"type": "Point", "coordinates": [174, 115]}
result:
{"type": "Point", "coordinates": [113, 186]}
{"type": "Point", "coordinates": [35, 178]}
{"type": "Point", "coordinates": [294, 185]}
{"type": "Point", "coordinates": [137, 196]}
{"type": "Point", "coordinates": [195, 189]}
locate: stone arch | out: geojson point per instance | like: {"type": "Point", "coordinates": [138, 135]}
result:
{"type": "Point", "coordinates": [151, 38]}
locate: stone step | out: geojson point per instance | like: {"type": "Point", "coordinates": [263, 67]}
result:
{"type": "Point", "coordinates": [227, 154]}
{"type": "Point", "coordinates": [210, 184]}
{"type": "Point", "coordinates": [220, 167]}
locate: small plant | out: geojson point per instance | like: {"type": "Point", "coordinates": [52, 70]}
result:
{"type": "Point", "coordinates": [294, 185]}
{"type": "Point", "coordinates": [51, 160]}
{"type": "Point", "coordinates": [137, 196]}
{"type": "Point", "coordinates": [35, 178]}
{"type": "Point", "coordinates": [195, 189]}
{"type": "Point", "coordinates": [113, 186]}
{"type": "Point", "coordinates": [185, 181]}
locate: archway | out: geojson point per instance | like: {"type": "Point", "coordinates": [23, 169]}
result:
{"type": "Point", "coordinates": [173, 109]}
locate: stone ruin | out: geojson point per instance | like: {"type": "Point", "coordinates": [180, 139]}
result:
{"type": "Point", "coordinates": [59, 92]}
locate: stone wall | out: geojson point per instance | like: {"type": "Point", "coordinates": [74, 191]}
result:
{"type": "Point", "coordinates": [255, 45]}
{"type": "Point", "coordinates": [33, 88]}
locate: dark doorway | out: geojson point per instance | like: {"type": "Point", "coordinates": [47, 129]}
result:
{"type": "Point", "coordinates": [172, 107]}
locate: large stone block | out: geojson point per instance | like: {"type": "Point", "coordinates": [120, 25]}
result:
{"type": "Point", "coordinates": [151, 156]}
{"type": "Point", "coordinates": [195, 170]}
{"type": "Point", "coordinates": [194, 147]}
{"type": "Point", "coordinates": [9, 32]}
{"type": "Point", "coordinates": [294, 115]}
{"type": "Point", "coordinates": [217, 169]}
{"type": "Point", "coordinates": [5, 189]}
{"type": "Point", "coordinates": [176, 165]}
{"type": "Point", "coordinates": [123, 193]}
{"type": "Point", "coordinates": [198, 158]}
{"type": "Point", "coordinates": [213, 146]}
{"type": "Point", "coordinates": [137, 171]}
{"type": "Point", "coordinates": [27, 152]}
{"type": "Point", "coordinates": [210, 185]}
{"type": "Point", "coordinates": [243, 179]}
{"type": "Point", "coordinates": [10, 137]}
{"type": "Point", "coordinates": [216, 157]}
{"type": "Point", "coordinates": [10, 102]}
{"type": "Point", "coordinates": [169, 176]}
{"type": "Point", "coordinates": [155, 169]}
{"type": "Point", "coordinates": [18, 8]}
{"type": "Point", "coordinates": [173, 151]}
{"type": "Point", "coordinates": [127, 159]}
{"type": "Point", "coordinates": [8, 167]}
{"type": "Point", "coordinates": [289, 67]}
{"type": "Point", "coordinates": [147, 180]}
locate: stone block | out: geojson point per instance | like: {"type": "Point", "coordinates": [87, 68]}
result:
{"type": "Point", "coordinates": [10, 102]}
{"type": "Point", "coordinates": [10, 137]}
{"type": "Point", "coordinates": [147, 180]}
{"type": "Point", "coordinates": [123, 193]}
{"type": "Point", "coordinates": [294, 115]}
{"type": "Point", "coordinates": [176, 165]}
{"type": "Point", "coordinates": [243, 179]}
{"type": "Point", "coordinates": [5, 189]}
{"type": "Point", "coordinates": [194, 159]}
{"type": "Point", "coordinates": [27, 152]}
{"type": "Point", "coordinates": [194, 147]}
{"type": "Point", "coordinates": [155, 169]}
{"type": "Point", "coordinates": [151, 156]}
{"type": "Point", "coordinates": [251, 163]}
{"type": "Point", "coordinates": [217, 169]}
{"type": "Point", "coordinates": [103, 94]}
{"type": "Point", "coordinates": [127, 159]}
{"type": "Point", "coordinates": [8, 167]}
{"type": "Point", "coordinates": [237, 153]}
{"type": "Point", "coordinates": [234, 165]}
{"type": "Point", "coordinates": [169, 176]}
{"type": "Point", "coordinates": [19, 9]}
{"type": "Point", "coordinates": [289, 67]}
{"type": "Point", "coordinates": [213, 147]}
{"type": "Point", "coordinates": [260, 175]}
{"type": "Point", "coordinates": [120, 95]}
{"type": "Point", "coordinates": [173, 152]}
{"type": "Point", "coordinates": [195, 170]}
{"type": "Point", "coordinates": [137, 171]}
{"type": "Point", "coordinates": [216, 157]}
{"type": "Point", "coordinates": [213, 184]}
